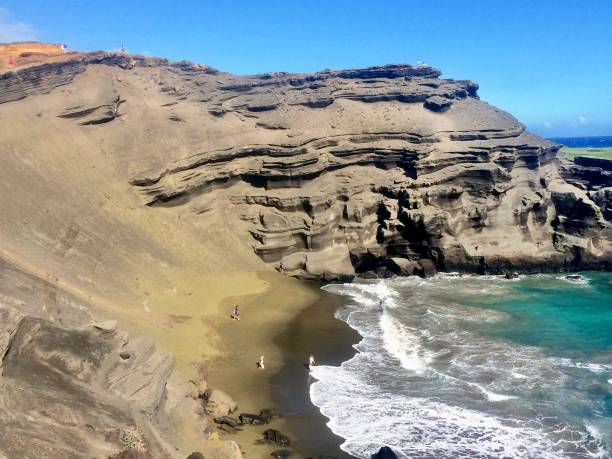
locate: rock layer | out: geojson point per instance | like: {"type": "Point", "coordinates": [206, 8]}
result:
{"type": "Point", "coordinates": [387, 169]}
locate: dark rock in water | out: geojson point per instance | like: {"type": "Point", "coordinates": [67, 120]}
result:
{"type": "Point", "coordinates": [574, 277]}
{"type": "Point", "coordinates": [281, 453]}
{"type": "Point", "coordinates": [385, 453]}
{"type": "Point", "coordinates": [512, 275]}
{"type": "Point", "coordinates": [276, 437]}
{"type": "Point", "coordinates": [196, 455]}
{"type": "Point", "coordinates": [248, 418]}
{"type": "Point", "coordinates": [428, 268]}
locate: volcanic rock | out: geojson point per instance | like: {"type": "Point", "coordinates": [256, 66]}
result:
{"type": "Point", "coordinates": [219, 404]}
{"type": "Point", "coordinates": [88, 389]}
{"type": "Point", "coordinates": [319, 170]}
{"type": "Point", "coordinates": [384, 453]}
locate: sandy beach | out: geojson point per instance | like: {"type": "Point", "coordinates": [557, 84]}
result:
{"type": "Point", "coordinates": [287, 323]}
{"type": "Point", "coordinates": [282, 318]}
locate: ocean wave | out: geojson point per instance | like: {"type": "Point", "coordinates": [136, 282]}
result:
{"type": "Point", "coordinates": [598, 368]}
{"type": "Point", "coordinates": [421, 427]}
{"type": "Point", "coordinates": [431, 388]}
{"type": "Point", "coordinates": [403, 344]}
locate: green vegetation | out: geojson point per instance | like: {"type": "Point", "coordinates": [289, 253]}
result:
{"type": "Point", "coordinates": [133, 438]}
{"type": "Point", "coordinates": [571, 153]}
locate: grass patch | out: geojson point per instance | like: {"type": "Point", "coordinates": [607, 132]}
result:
{"type": "Point", "coordinates": [571, 153]}
{"type": "Point", "coordinates": [133, 438]}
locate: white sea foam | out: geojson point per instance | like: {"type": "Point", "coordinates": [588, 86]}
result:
{"type": "Point", "coordinates": [403, 344]}
{"type": "Point", "coordinates": [418, 427]}
{"type": "Point", "coordinates": [518, 375]}
{"type": "Point", "coordinates": [431, 389]}
{"type": "Point", "coordinates": [597, 368]}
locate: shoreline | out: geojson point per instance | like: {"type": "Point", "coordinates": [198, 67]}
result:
{"type": "Point", "coordinates": [315, 330]}
{"type": "Point", "coordinates": [289, 321]}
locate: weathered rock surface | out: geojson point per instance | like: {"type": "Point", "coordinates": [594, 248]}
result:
{"type": "Point", "coordinates": [64, 391]}
{"type": "Point", "coordinates": [219, 404]}
{"type": "Point", "coordinates": [387, 169]}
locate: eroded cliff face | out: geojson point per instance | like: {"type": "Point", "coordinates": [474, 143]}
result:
{"type": "Point", "coordinates": [382, 170]}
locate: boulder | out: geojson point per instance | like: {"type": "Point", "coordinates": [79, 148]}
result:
{"type": "Point", "coordinates": [195, 455]}
{"type": "Point", "coordinates": [232, 422]}
{"type": "Point", "coordinates": [281, 454]}
{"type": "Point", "coordinates": [219, 404]}
{"type": "Point", "coordinates": [385, 453]}
{"type": "Point", "coordinates": [267, 414]}
{"type": "Point", "coordinates": [274, 436]}
{"type": "Point", "coordinates": [248, 418]}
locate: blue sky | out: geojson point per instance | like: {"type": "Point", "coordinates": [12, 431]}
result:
{"type": "Point", "coordinates": [547, 62]}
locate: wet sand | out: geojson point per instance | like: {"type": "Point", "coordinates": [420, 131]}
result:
{"type": "Point", "coordinates": [286, 324]}
{"type": "Point", "coordinates": [314, 331]}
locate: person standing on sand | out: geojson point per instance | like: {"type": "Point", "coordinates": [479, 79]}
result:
{"type": "Point", "coordinates": [236, 315]}
{"type": "Point", "coordinates": [260, 364]}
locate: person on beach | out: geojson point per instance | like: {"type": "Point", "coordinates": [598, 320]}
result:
{"type": "Point", "coordinates": [260, 364]}
{"type": "Point", "coordinates": [311, 362]}
{"type": "Point", "coordinates": [236, 315]}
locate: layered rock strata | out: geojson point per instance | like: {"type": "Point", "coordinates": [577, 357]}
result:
{"type": "Point", "coordinates": [386, 169]}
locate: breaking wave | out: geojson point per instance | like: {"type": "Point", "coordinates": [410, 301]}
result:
{"type": "Point", "coordinates": [425, 381]}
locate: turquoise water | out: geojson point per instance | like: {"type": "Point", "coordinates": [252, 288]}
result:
{"type": "Point", "coordinates": [568, 320]}
{"type": "Point", "coordinates": [565, 318]}
{"type": "Point", "coordinates": [475, 366]}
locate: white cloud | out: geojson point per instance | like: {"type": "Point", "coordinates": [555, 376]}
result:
{"type": "Point", "coordinates": [583, 120]}
{"type": "Point", "coordinates": [548, 124]}
{"type": "Point", "coordinates": [11, 30]}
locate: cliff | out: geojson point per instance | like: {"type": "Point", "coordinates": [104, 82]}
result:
{"type": "Point", "coordinates": [339, 172]}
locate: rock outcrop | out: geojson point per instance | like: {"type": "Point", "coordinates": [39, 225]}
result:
{"type": "Point", "coordinates": [382, 170]}
{"type": "Point", "coordinates": [67, 391]}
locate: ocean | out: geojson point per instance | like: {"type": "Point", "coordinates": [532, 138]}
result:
{"type": "Point", "coordinates": [474, 367]}
{"type": "Point", "coordinates": [584, 142]}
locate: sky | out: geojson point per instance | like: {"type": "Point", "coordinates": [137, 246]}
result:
{"type": "Point", "coordinates": [548, 62]}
